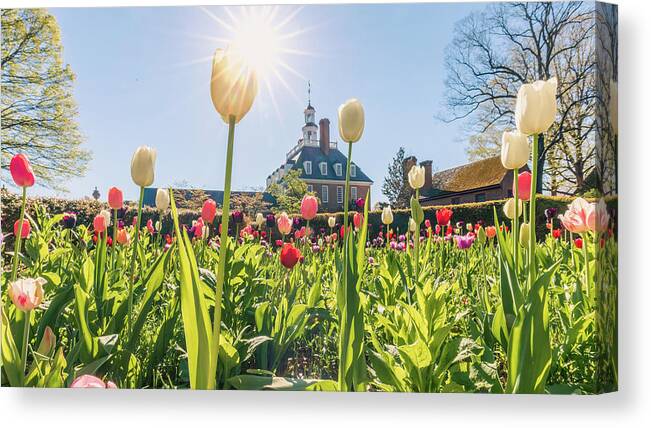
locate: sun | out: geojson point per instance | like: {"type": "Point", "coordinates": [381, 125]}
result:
{"type": "Point", "coordinates": [257, 42]}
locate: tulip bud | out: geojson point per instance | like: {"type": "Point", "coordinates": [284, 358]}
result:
{"type": "Point", "coordinates": [332, 222]}
{"type": "Point", "coordinates": [515, 150]}
{"type": "Point", "coordinates": [357, 220]}
{"type": "Point", "coordinates": [412, 225]}
{"type": "Point", "coordinates": [416, 177]}
{"type": "Point", "coordinates": [24, 232]}
{"type": "Point", "coordinates": [107, 216]}
{"type": "Point", "coordinates": [535, 107]}
{"type": "Point", "coordinates": [142, 166]}
{"type": "Point", "coordinates": [289, 255]}
{"type": "Point", "coordinates": [115, 198]}
{"type": "Point", "coordinates": [209, 211]}
{"type": "Point", "coordinates": [387, 215]}
{"type": "Point", "coordinates": [524, 234]}
{"type": "Point", "coordinates": [26, 293]}
{"type": "Point", "coordinates": [162, 199]}
{"type": "Point", "coordinates": [351, 121]}
{"type": "Point", "coordinates": [99, 223]}
{"type": "Point", "coordinates": [481, 235]}
{"type": "Point", "coordinates": [123, 237]}
{"type": "Point", "coordinates": [524, 186]}
{"type": "Point", "coordinates": [509, 208]}
{"type": "Point", "coordinates": [259, 219]}
{"type": "Point", "coordinates": [48, 342]}
{"type": "Point", "coordinates": [233, 85]}
{"type": "Point", "coordinates": [21, 171]}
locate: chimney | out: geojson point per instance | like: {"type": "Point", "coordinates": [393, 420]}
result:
{"type": "Point", "coordinates": [407, 163]}
{"type": "Point", "coordinates": [428, 174]}
{"type": "Point", "coordinates": [324, 136]}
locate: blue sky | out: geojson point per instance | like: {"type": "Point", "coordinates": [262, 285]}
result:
{"type": "Point", "coordinates": [140, 80]}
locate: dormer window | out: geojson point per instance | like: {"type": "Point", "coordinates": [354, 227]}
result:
{"type": "Point", "coordinates": [324, 168]}
{"type": "Point", "coordinates": [353, 170]}
{"type": "Point", "coordinates": [338, 169]}
{"type": "Point", "coordinates": [307, 166]}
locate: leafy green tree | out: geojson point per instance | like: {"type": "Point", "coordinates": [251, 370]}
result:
{"type": "Point", "coordinates": [289, 192]}
{"type": "Point", "coordinates": [394, 186]}
{"type": "Point", "coordinates": [38, 109]}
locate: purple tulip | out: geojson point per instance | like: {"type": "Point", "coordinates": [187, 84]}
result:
{"type": "Point", "coordinates": [237, 216]}
{"type": "Point", "coordinates": [271, 220]}
{"type": "Point", "coordinates": [464, 241]}
{"type": "Point", "coordinates": [69, 220]}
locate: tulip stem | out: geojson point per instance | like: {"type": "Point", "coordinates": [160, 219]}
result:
{"type": "Point", "coordinates": [532, 213]}
{"type": "Point", "coordinates": [133, 259]}
{"type": "Point", "coordinates": [115, 237]}
{"type": "Point", "coordinates": [416, 248]}
{"type": "Point", "coordinates": [586, 260]}
{"type": "Point", "coordinates": [516, 220]}
{"type": "Point", "coordinates": [26, 325]}
{"type": "Point", "coordinates": [223, 251]}
{"type": "Point", "coordinates": [19, 237]}
{"type": "Point", "coordinates": [343, 329]}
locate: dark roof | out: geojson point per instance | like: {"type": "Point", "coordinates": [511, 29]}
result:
{"type": "Point", "coordinates": [149, 198]}
{"type": "Point", "coordinates": [316, 156]}
{"type": "Point", "coordinates": [475, 175]}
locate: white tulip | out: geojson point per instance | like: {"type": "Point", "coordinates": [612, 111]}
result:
{"type": "Point", "coordinates": [535, 107]}
{"type": "Point", "coordinates": [162, 199]}
{"type": "Point", "coordinates": [412, 225]}
{"type": "Point", "coordinates": [259, 219]}
{"type": "Point", "coordinates": [387, 215]}
{"type": "Point", "coordinates": [332, 222]}
{"type": "Point", "coordinates": [509, 208]}
{"type": "Point", "coordinates": [233, 85]}
{"type": "Point", "coordinates": [416, 177]}
{"type": "Point", "coordinates": [515, 150]}
{"type": "Point", "coordinates": [142, 166]}
{"type": "Point", "coordinates": [351, 121]}
{"type": "Point", "coordinates": [107, 216]}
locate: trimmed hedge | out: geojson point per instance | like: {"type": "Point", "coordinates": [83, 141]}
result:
{"type": "Point", "coordinates": [87, 209]}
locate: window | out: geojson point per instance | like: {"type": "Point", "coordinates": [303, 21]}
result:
{"type": "Point", "coordinates": [338, 169]}
{"type": "Point", "coordinates": [454, 201]}
{"type": "Point", "coordinates": [340, 194]}
{"type": "Point", "coordinates": [324, 194]}
{"type": "Point", "coordinates": [324, 168]}
{"type": "Point", "coordinates": [310, 188]}
{"type": "Point", "coordinates": [307, 165]}
{"type": "Point", "coordinates": [480, 197]}
{"type": "Point", "coordinates": [353, 192]}
{"type": "Point", "coordinates": [353, 170]}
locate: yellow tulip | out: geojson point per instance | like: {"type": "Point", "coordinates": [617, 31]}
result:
{"type": "Point", "coordinates": [524, 234]}
{"type": "Point", "coordinates": [535, 107]}
{"type": "Point", "coordinates": [515, 150]}
{"type": "Point", "coordinates": [332, 222]}
{"type": "Point", "coordinates": [387, 215]}
{"type": "Point", "coordinates": [142, 166]}
{"type": "Point", "coordinates": [509, 208]}
{"type": "Point", "coordinates": [351, 121]}
{"type": "Point", "coordinates": [233, 85]}
{"type": "Point", "coordinates": [412, 225]}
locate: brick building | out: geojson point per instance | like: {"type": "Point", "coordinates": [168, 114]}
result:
{"type": "Point", "coordinates": [478, 181]}
{"type": "Point", "coordinates": [322, 166]}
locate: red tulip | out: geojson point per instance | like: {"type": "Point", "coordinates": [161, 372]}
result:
{"type": "Point", "coordinates": [490, 232]}
{"type": "Point", "coordinates": [289, 255]}
{"type": "Point", "coordinates": [443, 216]}
{"type": "Point", "coordinates": [524, 186]}
{"type": "Point", "coordinates": [556, 233]}
{"type": "Point", "coordinates": [357, 220]}
{"type": "Point", "coordinates": [115, 198]}
{"type": "Point", "coordinates": [578, 242]}
{"type": "Point", "coordinates": [209, 211]}
{"type": "Point", "coordinates": [26, 228]}
{"type": "Point", "coordinates": [21, 171]}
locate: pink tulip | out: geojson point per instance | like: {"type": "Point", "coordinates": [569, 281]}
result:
{"type": "Point", "coordinates": [284, 223]}
{"type": "Point", "coordinates": [26, 293]}
{"type": "Point", "coordinates": [309, 207]}
{"type": "Point", "coordinates": [524, 186]}
{"type": "Point", "coordinates": [150, 227]}
{"type": "Point", "coordinates": [99, 223]}
{"type": "Point", "coordinates": [24, 233]}
{"type": "Point", "coordinates": [357, 220]}
{"type": "Point", "coordinates": [115, 198]}
{"type": "Point", "coordinates": [209, 211]}
{"type": "Point", "coordinates": [579, 217]}
{"type": "Point", "coordinates": [21, 171]}
{"type": "Point", "coordinates": [89, 381]}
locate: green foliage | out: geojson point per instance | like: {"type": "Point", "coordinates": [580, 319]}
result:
{"type": "Point", "coordinates": [394, 186]}
{"type": "Point", "coordinates": [289, 192]}
{"type": "Point", "coordinates": [38, 109]}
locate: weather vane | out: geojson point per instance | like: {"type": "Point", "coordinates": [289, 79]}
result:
{"type": "Point", "coordinates": [309, 93]}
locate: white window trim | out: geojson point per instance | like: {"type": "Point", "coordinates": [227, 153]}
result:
{"type": "Point", "coordinates": [324, 193]}
{"type": "Point", "coordinates": [338, 170]}
{"type": "Point", "coordinates": [353, 192]}
{"type": "Point", "coordinates": [323, 166]}
{"type": "Point", "coordinates": [340, 194]}
{"type": "Point", "coordinates": [307, 165]}
{"type": "Point", "coordinates": [353, 170]}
